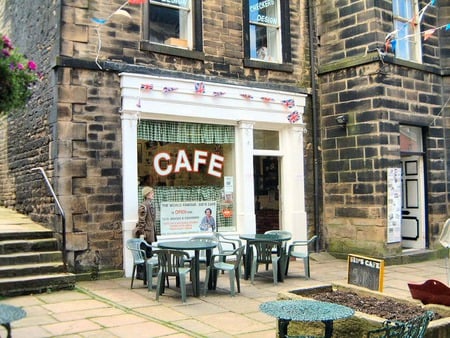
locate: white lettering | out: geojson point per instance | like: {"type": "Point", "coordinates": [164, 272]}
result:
{"type": "Point", "coordinates": [199, 158]}
{"type": "Point", "coordinates": [216, 161]}
{"type": "Point", "coordinates": [182, 162]}
{"type": "Point", "coordinates": [261, 5]}
{"type": "Point", "coordinates": [267, 19]}
{"type": "Point", "coordinates": [157, 166]}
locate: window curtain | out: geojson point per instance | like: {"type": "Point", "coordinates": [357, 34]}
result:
{"type": "Point", "coordinates": [182, 132]}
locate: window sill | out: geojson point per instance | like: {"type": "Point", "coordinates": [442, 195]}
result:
{"type": "Point", "coordinates": [282, 67]}
{"type": "Point", "coordinates": [169, 50]}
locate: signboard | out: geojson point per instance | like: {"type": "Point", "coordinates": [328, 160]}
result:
{"type": "Point", "coordinates": [366, 272]}
{"type": "Point", "coordinates": [394, 204]}
{"type": "Point", "coordinates": [184, 217]}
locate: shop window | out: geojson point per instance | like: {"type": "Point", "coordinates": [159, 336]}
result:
{"type": "Point", "coordinates": [174, 23]}
{"type": "Point", "coordinates": [267, 30]}
{"type": "Point", "coordinates": [411, 139]}
{"type": "Point", "coordinates": [407, 38]}
{"type": "Point", "coordinates": [187, 163]}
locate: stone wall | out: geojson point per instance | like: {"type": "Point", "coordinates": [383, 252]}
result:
{"type": "Point", "coordinates": [75, 123]}
{"type": "Point", "coordinates": [376, 96]}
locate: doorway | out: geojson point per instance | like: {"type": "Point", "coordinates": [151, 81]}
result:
{"type": "Point", "coordinates": [267, 192]}
{"type": "Point", "coordinates": [413, 225]}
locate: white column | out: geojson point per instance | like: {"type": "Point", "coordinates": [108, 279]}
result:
{"type": "Point", "coordinates": [245, 200]}
{"type": "Point", "coordinates": [129, 184]}
{"type": "Point", "coordinates": [292, 182]}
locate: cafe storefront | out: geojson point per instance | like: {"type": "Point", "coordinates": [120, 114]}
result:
{"type": "Point", "coordinates": [236, 150]}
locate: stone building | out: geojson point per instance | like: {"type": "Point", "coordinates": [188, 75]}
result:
{"type": "Point", "coordinates": [216, 104]}
{"type": "Point", "coordinates": [205, 101]}
{"type": "Point", "coordinates": [383, 71]}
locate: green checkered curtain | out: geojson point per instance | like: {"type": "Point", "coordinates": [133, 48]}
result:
{"type": "Point", "coordinates": [184, 132]}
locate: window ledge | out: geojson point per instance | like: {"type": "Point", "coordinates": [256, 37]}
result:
{"type": "Point", "coordinates": [169, 50]}
{"type": "Point", "coordinates": [282, 67]}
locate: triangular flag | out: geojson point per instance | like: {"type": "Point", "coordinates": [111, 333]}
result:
{"type": "Point", "coordinates": [428, 33]}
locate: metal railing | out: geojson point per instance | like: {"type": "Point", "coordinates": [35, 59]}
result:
{"type": "Point", "coordinates": [63, 215]}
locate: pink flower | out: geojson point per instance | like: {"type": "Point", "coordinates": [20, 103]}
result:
{"type": "Point", "coordinates": [32, 65]}
{"type": "Point", "coordinates": [7, 42]}
{"type": "Point", "coordinates": [20, 66]}
{"type": "Point", "coordinates": [6, 52]}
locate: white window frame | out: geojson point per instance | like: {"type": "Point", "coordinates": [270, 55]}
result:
{"type": "Point", "coordinates": [408, 38]}
{"type": "Point", "coordinates": [274, 46]}
{"type": "Point", "coordinates": [186, 21]}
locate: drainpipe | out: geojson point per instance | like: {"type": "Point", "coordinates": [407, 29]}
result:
{"type": "Point", "coordinates": [314, 118]}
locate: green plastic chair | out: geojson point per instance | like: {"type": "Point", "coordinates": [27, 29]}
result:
{"type": "Point", "coordinates": [172, 263]}
{"type": "Point", "coordinates": [140, 258]}
{"type": "Point", "coordinates": [300, 249]}
{"type": "Point", "coordinates": [220, 262]}
{"type": "Point", "coordinates": [263, 254]}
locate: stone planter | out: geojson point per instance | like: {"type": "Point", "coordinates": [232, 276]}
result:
{"type": "Point", "coordinates": [360, 323]}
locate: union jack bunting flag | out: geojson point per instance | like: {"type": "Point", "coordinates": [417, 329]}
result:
{"type": "Point", "coordinates": [293, 117]}
{"type": "Point", "coordinates": [169, 89]}
{"type": "Point", "coordinates": [200, 88]}
{"type": "Point", "coordinates": [289, 103]}
{"type": "Point", "coordinates": [146, 87]}
{"type": "Point", "coordinates": [247, 96]}
{"type": "Point", "coordinates": [267, 99]}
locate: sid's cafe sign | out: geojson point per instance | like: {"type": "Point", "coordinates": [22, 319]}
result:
{"type": "Point", "coordinates": [165, 165]}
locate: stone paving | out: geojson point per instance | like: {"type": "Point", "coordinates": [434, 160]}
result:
{"type": "Point", "coordinates": [109, 308]}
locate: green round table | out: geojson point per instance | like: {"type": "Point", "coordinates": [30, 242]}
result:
{"type": "Point", "coordinates": [8, 314]}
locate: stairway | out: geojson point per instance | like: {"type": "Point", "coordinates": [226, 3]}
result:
{"type": "Point", "coordinates": [30, 261]}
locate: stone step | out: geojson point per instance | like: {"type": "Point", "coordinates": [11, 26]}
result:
{"type": "Point", "coordinates": [31, 269]}
{"type": "Point", "coordinates": [30, 234]}
{"type": "Point", "coordinates": [27, 245]}
{"type": "Point", "coordinates": [15, 286]}
{"type": "Point", "coordinates": [30, 257]}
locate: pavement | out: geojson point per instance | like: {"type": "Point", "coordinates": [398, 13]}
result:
{"type": "Point", "coordinates": [109, 308]}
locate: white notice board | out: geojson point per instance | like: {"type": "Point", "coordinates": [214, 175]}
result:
{"type": "Point", "coordinates": [184, 217]}
{"type": "Point", "coordinates": [394, 204]}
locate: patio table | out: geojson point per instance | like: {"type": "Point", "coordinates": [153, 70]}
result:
{"type": "Point", "coordinates": [8, 314]}
{"type": "Point", "coordinates": [305, 310]}
{"type": "Point", "coordinates": [278, 237]}
{"type": "Point", "coordinates": [196, 246]}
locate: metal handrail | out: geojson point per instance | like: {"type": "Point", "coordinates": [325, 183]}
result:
{"type": "Point", "coordinates": [62, 214]}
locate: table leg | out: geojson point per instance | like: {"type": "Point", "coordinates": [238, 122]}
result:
{"type": "Point", "coordinates": [248, 262]}
{"type": "Point", "coordinates": [196, 283]}
{"type": "Point", "coordinates": [328, 328]}
{"type": "Point", "coordinates": [282, 327]}
{"type": "Point", "coordinates": [7, 326]}
{"type": "Point", "coordinates": [211, 275]}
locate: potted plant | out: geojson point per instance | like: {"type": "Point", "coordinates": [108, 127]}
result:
{"type": "Point", "coordinates": [17, 77]}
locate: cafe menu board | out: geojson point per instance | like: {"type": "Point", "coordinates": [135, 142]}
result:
{"type": "Point", "coordinates": [366, 272]}
{"type": "Point", "coordinates": [394, 204]}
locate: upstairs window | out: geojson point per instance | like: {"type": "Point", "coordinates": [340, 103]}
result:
{"type": "Point", "coordinates": [267, 30]}
{"type": "Point", "coordinates": [407, 28]}
{"type": "Point", "coordinates": [173, 22]}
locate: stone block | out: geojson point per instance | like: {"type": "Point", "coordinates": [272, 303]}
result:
{"type": "Point", "coordinates": [73, 32]}
{"type": "Point", "coordinates": [70, 168]}
{"type": "Point", "coordinates": [76, 241]}
{"type": "Point", "coordinates": [72, 94]}
{"type": "Point", "coordinates": [71, 131]}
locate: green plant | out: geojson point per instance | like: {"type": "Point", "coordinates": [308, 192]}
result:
{"type": "Point", "coordinates": [17, 77]}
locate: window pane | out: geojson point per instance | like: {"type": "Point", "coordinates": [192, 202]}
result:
{"type": "Point", "coordinates": [264, 27]}
{"type": "Point", "coordinates": [411, 139]}
{"type": "Point", "coordinates": [265, 140]}
{"type": "Point", "coordinates": [171, 24]}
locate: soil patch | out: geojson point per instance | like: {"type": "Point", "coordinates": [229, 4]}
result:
{"type": "Point", "coordinates": [382, 307]}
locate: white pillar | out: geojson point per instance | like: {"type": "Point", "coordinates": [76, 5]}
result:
{"type": "Point", "coordinates": [292, 182]}
{"type": "Point", "coordinates": [129, 184]}
{"type": "Point", "coordinates": [245, 200]}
